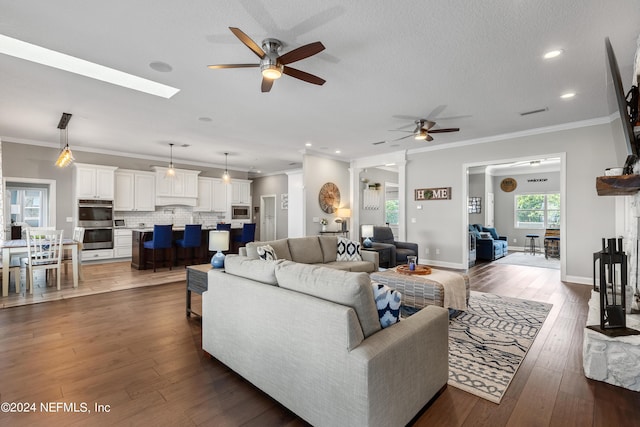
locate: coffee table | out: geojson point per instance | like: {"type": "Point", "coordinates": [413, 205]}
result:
{"type": "Point", "coordinates": [443, 288]}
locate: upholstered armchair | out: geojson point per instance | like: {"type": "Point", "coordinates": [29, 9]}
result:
{"type": "Point", "coordinates": [489, 245]}
{"type": "Point", "coordinates": [399, 250]}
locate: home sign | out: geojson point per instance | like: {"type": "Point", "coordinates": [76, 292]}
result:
{"type": "Point", "coordinates": [441, 193]}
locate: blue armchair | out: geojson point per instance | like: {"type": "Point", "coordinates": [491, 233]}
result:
{"type": "Point", "coordinates": [489, 245]}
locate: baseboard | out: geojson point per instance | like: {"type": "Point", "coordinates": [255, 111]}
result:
{"type": "Point", "coordinates": [435, 263]}
{"type": "Point", "coordinates": [579, 280]}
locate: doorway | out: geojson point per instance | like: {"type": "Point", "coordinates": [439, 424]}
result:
{"type": "Point", "coordinates": [268, 226]}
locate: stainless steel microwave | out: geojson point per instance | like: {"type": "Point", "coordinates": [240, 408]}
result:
{"type": "Point", "coordinates": [240, 212]}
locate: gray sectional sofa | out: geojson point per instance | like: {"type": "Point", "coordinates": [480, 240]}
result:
{"type": "Point", "coordinates": [317, 250]}
{"type": "Point", "coordinates": [310, 337]}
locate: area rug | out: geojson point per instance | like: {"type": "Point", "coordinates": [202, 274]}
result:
{"type": "Point", "coordinates": [488, 342]}
{"type": "Point", "coordinates": [521, 258]}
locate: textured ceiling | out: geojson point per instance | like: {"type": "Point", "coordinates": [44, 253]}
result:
{"type": "Point", "coordinates": [473, 65]}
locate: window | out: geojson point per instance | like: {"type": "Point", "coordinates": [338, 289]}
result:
{"type": "Point", "coordinates": [29, 205]}
{"type": "Point", "coordinates": [537, 211]}
{"type": "Point", "coordinates": [391, 204]}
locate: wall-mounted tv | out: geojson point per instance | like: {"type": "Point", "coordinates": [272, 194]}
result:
{"type": "Point", "coordinates": [623, 113]}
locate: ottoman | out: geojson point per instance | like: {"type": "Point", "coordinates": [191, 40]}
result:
{"type": "Point", "coordinates": [419, 291]}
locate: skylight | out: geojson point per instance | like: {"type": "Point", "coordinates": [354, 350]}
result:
{"type": "Point", "coordinates": [51, 58]}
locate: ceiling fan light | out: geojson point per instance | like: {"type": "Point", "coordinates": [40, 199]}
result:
{"type": "Point", "coordinates": [421, 136]}
{"type": "Point", "coordinates": [271, 72]}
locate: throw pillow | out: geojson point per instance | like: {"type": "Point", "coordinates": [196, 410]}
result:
{"type": "Point", "coordinates": [485, 235]}
{"type": "Point", "coordinates": [388, 303]}
{"type": "Point", "coordinates": [491, 230]}
{"type": "Point", "coordinates": [266, 253]}
{"type": "Point", "coordinates": [348, 250]}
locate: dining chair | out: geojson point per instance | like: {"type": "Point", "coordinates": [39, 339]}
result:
{"type": "Point", "coordinates": [192, 239]}
{"type": "Point", "coordinates": [78, 236]}
{"type": "Point", "coordinates": [44, 252]}
{"type": "Point", "coordinates": [222, 227]}
{"type": "Point", "coordinates": [161, 240]}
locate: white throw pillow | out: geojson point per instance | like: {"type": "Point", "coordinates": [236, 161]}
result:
{"type": "Point", "coordinates": [348, 250]}
{"type": "Point", "coordinates": [266, 253]}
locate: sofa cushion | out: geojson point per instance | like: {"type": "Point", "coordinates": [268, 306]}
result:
{"type": "Point", "coordinates": [491, 230]}
{"type": "Point", "coordinates": [305, 249]}
{"type": "Point", "coordinates": [329, 245]}
{"type": "Point", "coordinates": [266, 253]}
{"type": "Point", "coordinates": [280, 247]}
{"type": "Point", "coordinates": [255, 269]}
{"type": "Point", "coordinates": [388, 303]}
{"type": "Point", "coordinates": [348, 250]}
{"type": "Point", "coordinates": [342, 287]}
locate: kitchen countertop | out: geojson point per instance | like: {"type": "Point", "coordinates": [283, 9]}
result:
{"type": "Point", "coordinates": [175, 228]}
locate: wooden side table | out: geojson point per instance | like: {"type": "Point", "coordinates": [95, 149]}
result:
{"type": "Point", "coordinates": [384, 255]}
{"type": "Point", "coordinates": [197, 281]}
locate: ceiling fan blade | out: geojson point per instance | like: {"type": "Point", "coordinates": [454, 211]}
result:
{"type": "Point", "coordinates": [266, 84]}
{"type": "Point", "coordinates": [404, 137]}
{"type": "Point", "coordinates": [429, 138]}
{"type": "Point", "coordinates": [444, 130]}
{"type": "Point", "coordinates": [301, 53]}
{"type": "Point", "coordinates": [378, 143]}
{"type": "Point", "coordinates": [215, 67]}
{"type": "Point", "coordinates": [309, 78]}
{"type": "Point", "coordinates": [429, 124]}
{"type": "Point", "coordinates": [248, 42]}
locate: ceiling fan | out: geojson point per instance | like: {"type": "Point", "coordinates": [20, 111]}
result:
{"type": "Point", "coordinates": [272, 64]}
{"type": "Point", "coordinates": [423, 130]}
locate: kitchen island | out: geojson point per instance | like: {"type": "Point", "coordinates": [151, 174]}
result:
{"type": "Point", "coordinates": [139, 255]}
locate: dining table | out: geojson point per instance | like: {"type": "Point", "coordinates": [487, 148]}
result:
{"type": "Point", "coordinates": [19, 246]}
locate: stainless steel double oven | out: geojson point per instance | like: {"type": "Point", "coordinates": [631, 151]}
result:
{"type": "Point", "coordinates": [96, 216]}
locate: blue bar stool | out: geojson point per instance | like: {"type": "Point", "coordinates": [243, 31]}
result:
{"type": "Point", "coordinates": [192, 239]}
{"type": "Point", "coordinates": [162, 239]}
{"type": "Point", "coordinates": [533, 247]}
{"type": "Point", "coordinates": [223, 227]}
{"type": "Point", "coordinates": [248, 234]}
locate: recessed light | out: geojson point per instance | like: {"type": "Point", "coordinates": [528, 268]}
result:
{"type": "Point", "coordinates": [568, 95]}
{"type": "Point", "coordinates": [40, 55]}
{"type": "Point", "coordinates": [338, 151]}
{"type": "Point", "coordinates": [160, 66]}
{"type": "Point", "coordinates": [553, 53]}
{"type": "Point", "coordinates": [308, 144]}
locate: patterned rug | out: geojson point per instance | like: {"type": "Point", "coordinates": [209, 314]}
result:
{"type": "Point", "coordinates": [488, 342]}
{"type": "Point", "coordinates": [521, 258]}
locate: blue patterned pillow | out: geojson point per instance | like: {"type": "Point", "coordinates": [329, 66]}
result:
{"type": "Point", "coordinates": [388, 303]}
{"type": "Point", "coordinates": [348, 250]}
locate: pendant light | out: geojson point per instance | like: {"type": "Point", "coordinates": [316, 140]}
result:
{"type": "Point", "coordinates": [225, 176]}
{"type": "Point", "coordinates": [66, 156]}
{"type": "Point", "coordinates": [171, 172]}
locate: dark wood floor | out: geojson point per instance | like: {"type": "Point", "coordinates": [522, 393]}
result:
{"type": "Point", "coordinates": [135, 351]}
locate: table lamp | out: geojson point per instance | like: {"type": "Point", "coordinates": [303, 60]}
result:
{"type": "Point", "coordinates": [367, 233]}
{"type": "Point", "coordinates": [344, 214]}
{"type": "Point", "coordinates": [218, 241]}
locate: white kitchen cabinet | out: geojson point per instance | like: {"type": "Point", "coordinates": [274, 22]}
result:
{"type": "Point", "coordinates": [212, 195]}
{"type": "Point", "coordinates": [122, 243]}
{"type": "Point", "coordinates": [94, 181]}
{"type": "Point", "coordinates": [180, 189]}
{"type": "Point", "coordinates": [219, 203]}
{"type": "Point", "coordinates": [135, 191]}
{"type": "Point", "coordinates": [241, 192]}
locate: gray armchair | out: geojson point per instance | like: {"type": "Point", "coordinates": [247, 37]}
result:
{"type": "Point", "coordinates": [399, 250]}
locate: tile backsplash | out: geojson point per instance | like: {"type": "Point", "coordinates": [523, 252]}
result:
{"type": "Point", "coordinates": [176, 215]}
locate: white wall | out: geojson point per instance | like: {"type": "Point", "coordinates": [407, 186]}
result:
{"type": "Point", "coordinates": [440, 224]}
{"type": "Point", "coordinates": [376, 216]}
{"type": "Point", "coordinates": [267, 185]}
